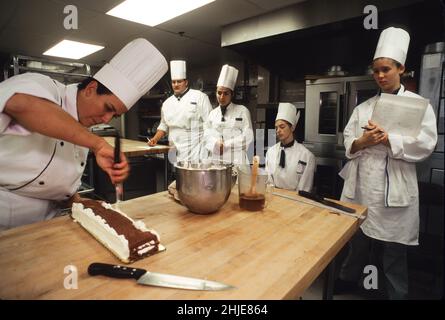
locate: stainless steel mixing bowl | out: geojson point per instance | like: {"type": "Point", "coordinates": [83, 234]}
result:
{"type": "Point", "coordinates": [204, 188]}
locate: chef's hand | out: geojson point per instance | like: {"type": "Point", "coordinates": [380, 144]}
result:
{"type": "Point", "coordinates": [117, 172]}
{"type": "Point", "coordinates": [152, 142]}
{"type": "Point", "coordinates": [373, 135]}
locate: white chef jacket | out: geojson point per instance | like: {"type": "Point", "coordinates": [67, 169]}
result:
{"type": "Point", "coordinates": [36, 170]}
{"type": "Point", "coordinates": [236, 133]}
{"type": "Point", "coordinates": [183, 120]}
{"type": "Point", "coordinates": [299, 169]}
{"type": "Point", "coordinates": [384, 179]}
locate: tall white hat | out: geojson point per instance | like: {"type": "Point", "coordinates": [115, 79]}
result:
{"type": "Point", "coordinates": [227, 77]}
{"type": "Point", "coordinates": [134, 70]}
{"type": "Point", "coordinates": [178, 69]}
{"type": "Point", "coordinates": [393, 43]}
{"type": "Point", "coordinates": [287, 111]}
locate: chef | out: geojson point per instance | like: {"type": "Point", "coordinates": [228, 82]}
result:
{"type": "Point", "coordinates": [381, 174]}
{"type": "Point", "coordinates": [44, 139]}
{"type": "Point", "coordinates": [288, 162]}
{"type": "Point", "coordinates": [183, 116]}
{"type": "Point", "coordinates": [229, 131]}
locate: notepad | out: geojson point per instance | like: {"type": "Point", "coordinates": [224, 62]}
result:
{"type": "Point", "coordinates": [399, 114]}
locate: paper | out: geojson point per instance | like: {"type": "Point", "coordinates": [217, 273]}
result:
{"type": "Point", "coordinates": [149, 147]}
{"type": "Point", "coordinates": [400, 115]}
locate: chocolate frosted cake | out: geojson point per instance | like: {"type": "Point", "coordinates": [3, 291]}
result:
{"type": "Point", "coordinates": [129, 240]}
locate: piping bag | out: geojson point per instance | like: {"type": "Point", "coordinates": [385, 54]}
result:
{"type": "Point", "coordinates": [117, 159]}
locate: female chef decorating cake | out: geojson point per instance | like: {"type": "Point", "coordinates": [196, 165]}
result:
{"type": "Point", "coordinates": [44, 139]}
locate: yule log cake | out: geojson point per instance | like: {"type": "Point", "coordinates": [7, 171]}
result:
{"type": "Point", "coordinates": [129, 240]}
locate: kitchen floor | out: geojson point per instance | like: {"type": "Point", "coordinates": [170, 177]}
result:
{"type": "Point", "coordinates": [422, 286]}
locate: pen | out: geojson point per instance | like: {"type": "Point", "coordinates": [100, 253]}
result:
{"type": "Point", "coordinates": [368, 129]}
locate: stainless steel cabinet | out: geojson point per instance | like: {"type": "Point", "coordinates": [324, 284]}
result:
{"type": "Point", "coordinates": [329, 104]}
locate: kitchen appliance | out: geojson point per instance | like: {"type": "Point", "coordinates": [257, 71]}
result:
{"type": "Point", "coordinates": [204, 187]}
{"type": "Point", "coordinates": [432, 87]}
{"type": "Point", "coordinates": [147, 278]}
{"type": "Point", "coordinates": [329, 103]}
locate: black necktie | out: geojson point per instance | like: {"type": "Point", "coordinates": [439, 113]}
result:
{"type": "Point", "coordinates": [223, 112]}
{"type": "Point", "coordinates": [283, 154]}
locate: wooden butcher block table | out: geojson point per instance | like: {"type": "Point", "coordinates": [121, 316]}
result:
{"type": "Point", "coordinates": [272, 254]}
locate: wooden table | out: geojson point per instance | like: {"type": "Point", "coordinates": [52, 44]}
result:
{"type": "Point", "coordinates": [273, 254]}
{"type": "Point", "coordinates": [134, 148]}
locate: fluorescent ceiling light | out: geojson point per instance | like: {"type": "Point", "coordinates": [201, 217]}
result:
{"type": "Point", "coordinates": [154, 12]}
{"type": "Point", "coordinates": [72, 49]}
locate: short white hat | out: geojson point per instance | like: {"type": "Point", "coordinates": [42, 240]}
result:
{"type": "Point", "coordinates": [393, 43]}
{"type": "Point", "coordinates": [227, 77]}
{"type": "Point", "coordinates": [178, 70]}
{"type": "Point", "coordinates": [134, 70]}
{"type": "Point", "coordinates": [287, 111]}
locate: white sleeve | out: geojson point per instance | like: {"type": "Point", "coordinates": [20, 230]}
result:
{"type": "Point", "coordinates": [32, 84]}
{"type": "Point", "coordinates": [416, 149]}
{"type": "Point", "coordinates": [349, 134]}
{"type": "Point", "coordinates": [205, 107]}
{"type": "Point", "coordinates": [211, 135]}
{"type": "Point", "coordinates": [162, 124]}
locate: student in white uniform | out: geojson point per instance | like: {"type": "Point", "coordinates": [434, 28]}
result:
{"type": "Point", "coordinates": [44, 139]}
{"type": "Point", "coordinates": [228, 132]}
{"type": "Point", "coordinates": [288, 162]}
{"type": "Point", "coordinates": [183, 116]}
{"type": "Point", "coordinates": [381, 175]}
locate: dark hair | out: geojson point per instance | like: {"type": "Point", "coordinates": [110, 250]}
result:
{"type": "Point", "coordinates": [287, 122]}
{"type": "Point", "coordinates": [398, 64]}
{"type": "Point", "coordinates": [101, 89]}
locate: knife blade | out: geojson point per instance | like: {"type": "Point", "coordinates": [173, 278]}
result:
{"type": "Point", "coordinates": [147, 278]}
{"type": "Point", "coordinates": [117, 159]}
{"type": "Point", "coordinates": [324, 201]}
{"type": "Point", "coordinates": [317, 204]}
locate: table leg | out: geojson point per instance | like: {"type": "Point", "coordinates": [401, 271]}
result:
{"type": "Point", "coordinates": [165, 171]}
{"type": "Point", "coordinates": [328, 284]}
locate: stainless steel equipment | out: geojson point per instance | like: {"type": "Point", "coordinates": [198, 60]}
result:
{"type": "Point", "coordinates": [63, 71]}
{"type": "Point", "coordinates": [329, 103]}
{"type": "Point", "coordinates": [204, 187]}
{"type": "Point", "coordinates": [432, 87]}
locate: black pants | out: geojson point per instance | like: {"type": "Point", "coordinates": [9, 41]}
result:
{"type": "Point", "coordinates": [391, 257]}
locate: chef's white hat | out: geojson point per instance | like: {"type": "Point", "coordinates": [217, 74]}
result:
{"type": "Point", "coordinates": [133, 71]}
{"type": "Point", "coordinates": [393, 43]}
{"type": "Point", "coordinates": [227, 77]}
{"type": "Point", "coordinates": [178, 69]}
{"type": "Point", "coordinates": [287, 111]}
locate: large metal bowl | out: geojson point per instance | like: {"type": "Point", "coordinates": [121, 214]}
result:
{"type": "Point", "coordinates": [204, 187]}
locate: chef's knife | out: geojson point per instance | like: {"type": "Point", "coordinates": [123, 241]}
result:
{"type": "Point", "coordinates": [117, 159]}
{"type": "Point", "coordinates": [154, 279]}
{"type": "Point", "coordinates": [324, 201]}
{"type": "Point", "coordinates": [319, 205]}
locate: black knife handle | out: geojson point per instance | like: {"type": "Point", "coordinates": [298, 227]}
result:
{"type": "Point", "coordinates": [114, 271]}
{"type": "Point", "coordinates": [117, 148]}
{"type": "Point", "coordinates": [311, 196]}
